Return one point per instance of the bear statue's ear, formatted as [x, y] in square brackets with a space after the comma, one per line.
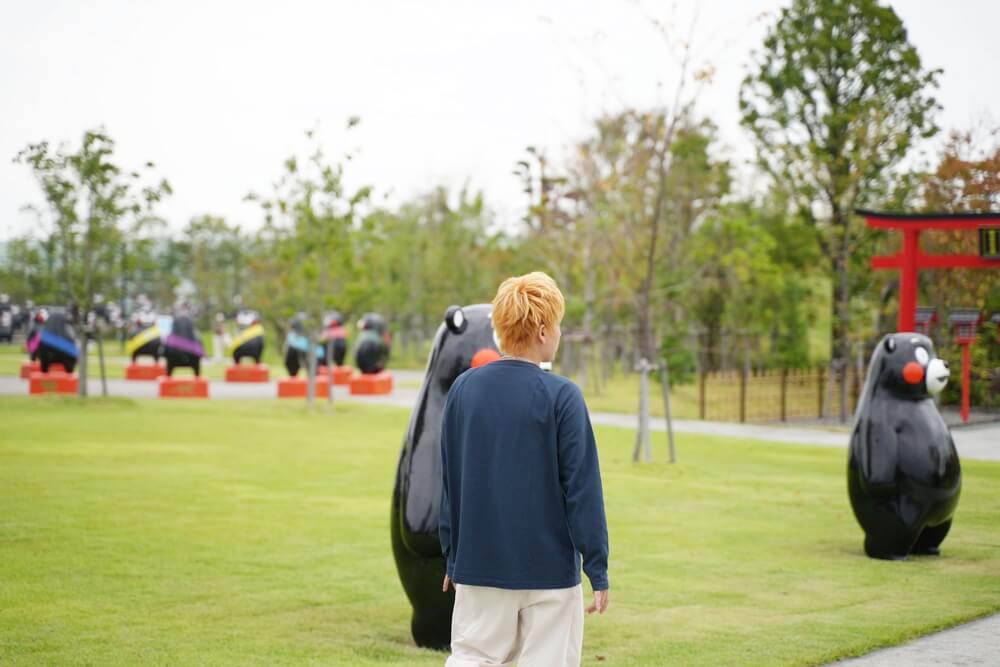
[454, 318]
[890, 344]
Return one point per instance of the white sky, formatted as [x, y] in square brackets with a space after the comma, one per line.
[217, 94]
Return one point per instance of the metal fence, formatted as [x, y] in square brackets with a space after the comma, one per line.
[775, 395]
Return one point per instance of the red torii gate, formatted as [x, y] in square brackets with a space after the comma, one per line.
[910, 259]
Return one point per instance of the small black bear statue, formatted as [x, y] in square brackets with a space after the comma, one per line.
[144, 336]
[249, 340]
[297, 347]
[334, 337]
[34, 336]
[182, 348]
[466, 339]
[57, 342]
[372, 350]
[903, 474]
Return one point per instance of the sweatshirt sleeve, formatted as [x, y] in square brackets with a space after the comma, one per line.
[444, 519]
[580, 477]
[444, 516]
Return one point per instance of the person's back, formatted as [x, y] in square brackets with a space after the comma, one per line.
[514, 528]
[522, 497]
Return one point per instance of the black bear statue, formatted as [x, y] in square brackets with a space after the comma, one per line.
[297, 347]
[903, 474]
[182, 348]
[143, 336]
[372, 352]
[334, 337]
[57, 342]
[33, 338]
[466, 339]
[249, 340]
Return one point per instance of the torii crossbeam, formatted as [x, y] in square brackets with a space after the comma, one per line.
[910, 259]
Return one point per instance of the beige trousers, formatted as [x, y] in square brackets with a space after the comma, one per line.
[535, 628]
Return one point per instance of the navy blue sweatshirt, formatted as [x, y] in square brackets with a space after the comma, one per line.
[521, 494]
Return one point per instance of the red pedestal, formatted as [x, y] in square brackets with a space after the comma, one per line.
[252, 373]
[144, 371]
[368, 385]
[342, 375]
[185, 387]
[53, 382]
[29, 367]
[298, 387]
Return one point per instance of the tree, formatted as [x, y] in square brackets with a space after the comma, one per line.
[965, 180]
[89, 201]
[215, 260]
[834, 101]
[750, 280]
[304, 256]
[645, 183]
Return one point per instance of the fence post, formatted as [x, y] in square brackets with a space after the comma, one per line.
[743, 394]
[819, 387]
[784, 394]
[701, 394]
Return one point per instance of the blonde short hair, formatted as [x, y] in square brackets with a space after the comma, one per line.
[521, 306]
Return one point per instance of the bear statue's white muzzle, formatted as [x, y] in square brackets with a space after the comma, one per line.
[937, 376]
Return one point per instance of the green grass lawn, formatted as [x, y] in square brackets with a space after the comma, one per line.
[210, 533]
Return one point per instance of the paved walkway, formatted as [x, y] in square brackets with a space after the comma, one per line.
[975, 643]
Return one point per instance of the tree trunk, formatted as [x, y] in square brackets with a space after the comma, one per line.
[840, 343]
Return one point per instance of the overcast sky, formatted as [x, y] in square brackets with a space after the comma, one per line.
[217, 94]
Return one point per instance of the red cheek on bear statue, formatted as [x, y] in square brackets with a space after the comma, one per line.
[913, 372]
[484, 356]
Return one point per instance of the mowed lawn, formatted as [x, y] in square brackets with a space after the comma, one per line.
[221, 533]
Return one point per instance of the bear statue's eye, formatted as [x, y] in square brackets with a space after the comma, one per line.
[890, 344]
[921, 356]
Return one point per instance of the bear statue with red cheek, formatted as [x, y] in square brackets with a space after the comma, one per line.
[903, 474]
[465, 340]
[335, 337]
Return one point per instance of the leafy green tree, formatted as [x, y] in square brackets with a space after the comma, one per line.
[304, 257]
[835, 99]
[89, 201]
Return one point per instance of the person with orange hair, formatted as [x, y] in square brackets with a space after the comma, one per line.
[521, 498]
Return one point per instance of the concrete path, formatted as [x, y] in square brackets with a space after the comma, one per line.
[975, 643]
[980, 442]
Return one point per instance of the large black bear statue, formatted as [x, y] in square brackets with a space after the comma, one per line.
[903, 474]
[372, 351]
[182, 348]
[249, 340]
[466, 339]
[57, 342]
